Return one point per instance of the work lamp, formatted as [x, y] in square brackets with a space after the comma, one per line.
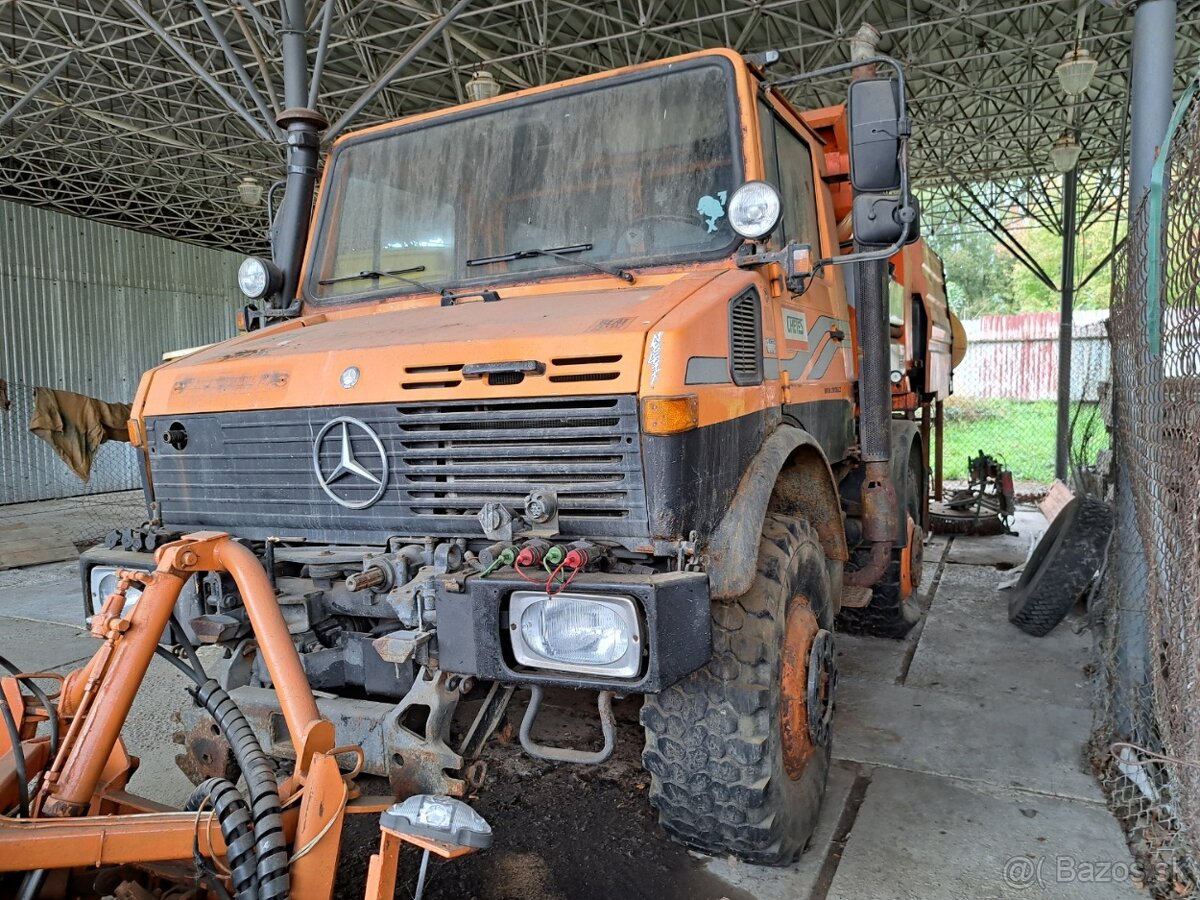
[570, 632]
[257, 278]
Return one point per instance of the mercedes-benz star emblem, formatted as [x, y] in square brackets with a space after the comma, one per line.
[349, 471]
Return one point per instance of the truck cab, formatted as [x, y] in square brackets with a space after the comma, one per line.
[568, 395]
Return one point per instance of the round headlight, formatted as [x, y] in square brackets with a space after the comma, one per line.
[754, 209]
[257, 278]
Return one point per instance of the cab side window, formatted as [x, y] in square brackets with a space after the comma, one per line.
[797, 188]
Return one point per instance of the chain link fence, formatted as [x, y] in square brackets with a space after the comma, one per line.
[1005, 397]
[1146, 748]
[30, 471]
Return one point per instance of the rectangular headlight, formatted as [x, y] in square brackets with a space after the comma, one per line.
[103, 580]
[569, 632]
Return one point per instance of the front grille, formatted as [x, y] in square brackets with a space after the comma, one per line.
[253, 473]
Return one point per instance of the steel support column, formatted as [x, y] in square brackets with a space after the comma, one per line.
[1062, 455]
[1150, 107]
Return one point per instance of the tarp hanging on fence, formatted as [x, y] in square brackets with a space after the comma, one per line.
[76, 425]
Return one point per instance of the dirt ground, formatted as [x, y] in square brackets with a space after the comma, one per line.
[562, 832]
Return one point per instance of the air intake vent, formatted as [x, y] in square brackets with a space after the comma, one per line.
[586, 376]
[566, 369]
[586, 360]
[745, 339]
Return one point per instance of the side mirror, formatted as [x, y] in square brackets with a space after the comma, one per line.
[879, 219]
[873, 110]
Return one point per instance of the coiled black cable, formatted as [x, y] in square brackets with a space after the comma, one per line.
[237, 829]
[270, 843]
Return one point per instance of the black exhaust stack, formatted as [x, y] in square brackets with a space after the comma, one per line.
[879, 503]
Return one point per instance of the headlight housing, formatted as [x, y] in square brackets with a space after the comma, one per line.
[754, 210]
[258, 278]
[103, 581]
[568, 632]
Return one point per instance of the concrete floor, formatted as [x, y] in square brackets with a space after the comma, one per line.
[960, 767]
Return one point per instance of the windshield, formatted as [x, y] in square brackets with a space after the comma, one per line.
[639, 168]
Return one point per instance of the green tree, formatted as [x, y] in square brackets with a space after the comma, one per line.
[979, 273]
[1091, 245]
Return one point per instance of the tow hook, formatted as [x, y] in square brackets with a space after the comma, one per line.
[608, 725]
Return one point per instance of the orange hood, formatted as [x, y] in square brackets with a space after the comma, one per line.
[589, 340]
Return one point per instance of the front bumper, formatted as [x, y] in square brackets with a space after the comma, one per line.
[473, 628]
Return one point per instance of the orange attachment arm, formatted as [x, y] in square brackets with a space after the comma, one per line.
[103, 693]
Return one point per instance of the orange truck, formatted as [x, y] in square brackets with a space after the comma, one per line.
[613, 385]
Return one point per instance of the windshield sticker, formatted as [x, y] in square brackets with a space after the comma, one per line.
[712, 208]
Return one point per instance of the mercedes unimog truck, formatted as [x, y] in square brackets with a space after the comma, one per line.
[610, 385]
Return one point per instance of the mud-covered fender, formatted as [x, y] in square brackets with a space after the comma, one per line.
[905, 437]
[790, 475]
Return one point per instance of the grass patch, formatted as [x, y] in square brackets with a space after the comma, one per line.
[1020, 433]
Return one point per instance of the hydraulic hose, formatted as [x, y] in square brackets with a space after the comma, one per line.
[31, 885]
[237, 828]
[270, 842]
[18, 751]
[260, 869]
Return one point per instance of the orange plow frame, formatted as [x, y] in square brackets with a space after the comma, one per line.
[81, 817]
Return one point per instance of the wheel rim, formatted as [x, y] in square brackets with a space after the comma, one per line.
[911, 560]
[822, 688]
[800, 632]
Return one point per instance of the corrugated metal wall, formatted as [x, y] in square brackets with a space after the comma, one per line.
[88, 307]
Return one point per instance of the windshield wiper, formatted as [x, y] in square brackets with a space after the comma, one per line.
[376, 275]
[561, 253]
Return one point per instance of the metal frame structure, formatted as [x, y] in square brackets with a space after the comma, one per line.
[81, 817]
[149, 114]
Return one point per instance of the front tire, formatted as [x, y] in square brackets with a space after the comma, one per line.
[738, 752]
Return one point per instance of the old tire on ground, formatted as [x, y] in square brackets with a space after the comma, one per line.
[1061, 567]
[895, 604]
[738, 752]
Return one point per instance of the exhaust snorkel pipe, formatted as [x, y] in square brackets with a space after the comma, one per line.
[879, 502]
[303, 126]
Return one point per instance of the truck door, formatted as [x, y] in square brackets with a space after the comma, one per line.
[813, 348]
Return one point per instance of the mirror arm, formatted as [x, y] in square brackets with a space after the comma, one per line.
[870, 255]
[842, 67]
[797, 282]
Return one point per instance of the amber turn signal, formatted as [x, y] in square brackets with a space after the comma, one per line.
[670, 415]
